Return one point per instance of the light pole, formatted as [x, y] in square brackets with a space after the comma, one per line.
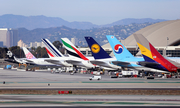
[167, 42]
[166, 47]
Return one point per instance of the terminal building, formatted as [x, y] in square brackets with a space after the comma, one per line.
[164, 36]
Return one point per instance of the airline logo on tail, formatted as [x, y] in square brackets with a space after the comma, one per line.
[118, 49]
[150, 54]
[9, 53]
[49, 53]
[29, 55]
[72, 50]
[97, 51]
[51, 49]
[95, 48]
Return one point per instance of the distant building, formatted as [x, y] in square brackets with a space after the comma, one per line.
[9, 37]
[1, 44]
[3, 35]
[21, 44]
[74, 41]
[36, 44]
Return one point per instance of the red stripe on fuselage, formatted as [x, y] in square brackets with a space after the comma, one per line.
[160, 59]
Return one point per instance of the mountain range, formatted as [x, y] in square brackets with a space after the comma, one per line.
[34, 22]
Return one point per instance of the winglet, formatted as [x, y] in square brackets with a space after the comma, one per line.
[97, 51]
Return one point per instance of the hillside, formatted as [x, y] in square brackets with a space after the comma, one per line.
[34, 22]
[55, 33]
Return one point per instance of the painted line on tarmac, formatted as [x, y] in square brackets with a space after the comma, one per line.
[89, 102]
[88, 82]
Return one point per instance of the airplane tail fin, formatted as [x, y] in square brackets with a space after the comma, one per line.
[28, 54]
[12, 58]
[150, 54]
[97, 51]
[118, 48]
[51, 49]
[9, 54]
[72, 50]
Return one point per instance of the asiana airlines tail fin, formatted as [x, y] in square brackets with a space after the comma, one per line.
[152, 56]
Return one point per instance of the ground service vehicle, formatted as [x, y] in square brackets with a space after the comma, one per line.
[96, 77]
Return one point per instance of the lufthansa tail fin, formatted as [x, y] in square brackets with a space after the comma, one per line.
[97, 51]
[51, 49]
[118, 48]
[28, 54]
[151, 55]
[72, 50]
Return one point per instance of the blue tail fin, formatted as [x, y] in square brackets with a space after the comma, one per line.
[97, 51]
[118, 48]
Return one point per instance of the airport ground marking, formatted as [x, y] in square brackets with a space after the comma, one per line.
[87, 102]
[88, 82]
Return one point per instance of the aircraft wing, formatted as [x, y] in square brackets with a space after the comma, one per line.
[73, 61]
[120, 63]
[53, 61]
[58, 62]
[97, 62]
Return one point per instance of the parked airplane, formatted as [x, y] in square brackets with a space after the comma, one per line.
[152, 57]
[56, 57]
[30, 59]
[102, 58]
[77, 58]
[12, 58]
[125, 59]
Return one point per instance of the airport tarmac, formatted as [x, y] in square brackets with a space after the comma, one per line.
[45, 79]
[89, 100]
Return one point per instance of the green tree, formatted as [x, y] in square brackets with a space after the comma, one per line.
[41, 52]
[2, 53]
[17, 51]
[57, 44]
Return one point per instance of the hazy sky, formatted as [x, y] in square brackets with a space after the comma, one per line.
[95, 11]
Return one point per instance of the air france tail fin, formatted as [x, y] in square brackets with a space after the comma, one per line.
[51, 49]
[118, 48]
[72, 50]
[97, 51]
[28, 54]
[150, 54]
